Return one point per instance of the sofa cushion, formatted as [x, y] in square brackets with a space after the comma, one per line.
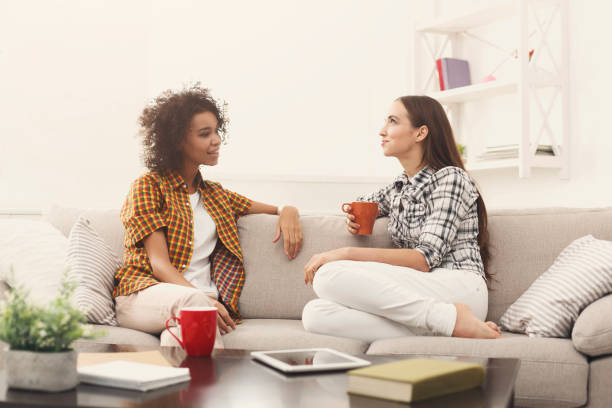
[581, 274]
[551, 372]
[105, 222]
[36, 253]
[274, 286]
[524, 243]
[121, 335]
[275, 334]
[592, 333]
[93, 266]
[62, 218]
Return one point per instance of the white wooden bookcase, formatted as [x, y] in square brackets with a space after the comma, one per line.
[435, 36]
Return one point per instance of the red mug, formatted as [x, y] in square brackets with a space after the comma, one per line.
[365, 213]
[198, 329]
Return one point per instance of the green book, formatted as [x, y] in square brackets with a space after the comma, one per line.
[415, 379]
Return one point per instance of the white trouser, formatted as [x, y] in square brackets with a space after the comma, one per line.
[371, 300]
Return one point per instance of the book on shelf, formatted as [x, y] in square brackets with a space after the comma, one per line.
[132, 375]
[415, 379]
[510, 151]
[453, 73]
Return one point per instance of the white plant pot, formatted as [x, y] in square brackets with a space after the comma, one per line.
[42, 371]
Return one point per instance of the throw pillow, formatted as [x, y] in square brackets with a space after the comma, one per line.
[36, 251]
[581, 274]
[107, 223]
[92, 265]
[592, 333]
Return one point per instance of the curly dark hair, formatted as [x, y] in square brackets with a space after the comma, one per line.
[165, 122]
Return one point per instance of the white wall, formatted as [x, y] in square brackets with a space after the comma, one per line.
[307, 83]
[72, 81]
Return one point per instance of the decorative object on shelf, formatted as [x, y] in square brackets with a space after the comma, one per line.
[488, 78]
[40, 339]
[513, 55]
[453, 73]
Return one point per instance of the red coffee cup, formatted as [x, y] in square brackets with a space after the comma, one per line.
[198, 329]
[365, 213]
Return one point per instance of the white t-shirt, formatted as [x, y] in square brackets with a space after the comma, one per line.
[204, 242]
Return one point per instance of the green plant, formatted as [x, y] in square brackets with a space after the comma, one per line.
[28, 326]
[461, 149]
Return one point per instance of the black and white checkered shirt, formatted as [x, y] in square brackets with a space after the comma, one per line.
[435, 213]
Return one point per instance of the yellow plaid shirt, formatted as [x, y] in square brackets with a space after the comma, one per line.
[160, 200]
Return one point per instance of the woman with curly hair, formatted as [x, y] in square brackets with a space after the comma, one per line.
[181, 237]
[434, 281]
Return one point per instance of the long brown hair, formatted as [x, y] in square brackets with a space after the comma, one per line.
[440, 150]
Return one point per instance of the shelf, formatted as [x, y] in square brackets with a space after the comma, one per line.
[492, 164]
[520, 79]
[473, 92]
[541, 161]
[457, 24]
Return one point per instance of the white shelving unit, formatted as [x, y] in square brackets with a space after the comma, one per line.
[452, 30]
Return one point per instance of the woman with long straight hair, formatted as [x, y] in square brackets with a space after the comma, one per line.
[434, 281]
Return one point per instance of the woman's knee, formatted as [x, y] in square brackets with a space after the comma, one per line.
[311, 315]
[193, 297]
[324, 279]
[317, 316]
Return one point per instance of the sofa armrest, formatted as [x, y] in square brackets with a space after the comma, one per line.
[592, 332]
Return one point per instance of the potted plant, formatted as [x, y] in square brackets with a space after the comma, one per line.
[40, 355]
[461, 149]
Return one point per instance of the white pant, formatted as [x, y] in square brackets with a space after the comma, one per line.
[371, 300]
[148, 309]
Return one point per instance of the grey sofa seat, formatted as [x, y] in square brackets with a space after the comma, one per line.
[122, 335]
[551, 369]
[275, 334]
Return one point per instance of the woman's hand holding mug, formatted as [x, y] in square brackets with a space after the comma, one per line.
[351, 225]
[360, 216]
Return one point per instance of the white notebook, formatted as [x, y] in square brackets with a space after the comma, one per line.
[132, 375]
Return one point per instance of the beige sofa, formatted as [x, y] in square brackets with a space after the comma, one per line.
[524, 244]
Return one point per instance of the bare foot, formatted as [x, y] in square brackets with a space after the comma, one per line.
[493, 326]
[468, 325]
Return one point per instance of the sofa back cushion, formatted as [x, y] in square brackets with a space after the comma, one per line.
[274, 286]
[32, 255]
[525, 243]
[106, 223]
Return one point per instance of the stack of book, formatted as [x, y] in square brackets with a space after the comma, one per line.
[453, 73]
[510, 151]
[415, 379]
[132, 375]
[142, 371]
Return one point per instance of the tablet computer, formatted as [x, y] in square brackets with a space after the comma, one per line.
[311, 359]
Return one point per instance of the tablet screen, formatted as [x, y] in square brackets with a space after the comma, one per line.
[316, 359]
[310, 358]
